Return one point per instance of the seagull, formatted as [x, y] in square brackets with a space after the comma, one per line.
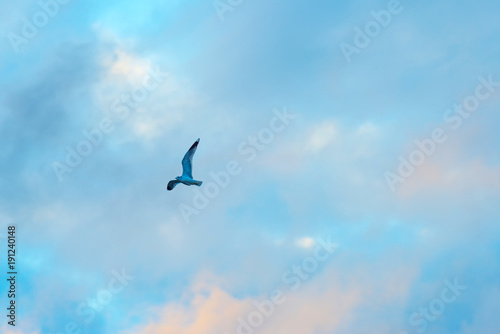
[187, 169]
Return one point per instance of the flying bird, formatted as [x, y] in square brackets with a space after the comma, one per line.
[187, 169]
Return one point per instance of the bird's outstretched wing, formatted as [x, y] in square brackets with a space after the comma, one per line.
[187, 161]
[171, 185]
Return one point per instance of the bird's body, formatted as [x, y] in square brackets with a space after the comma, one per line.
[188, 181]
[187, 170]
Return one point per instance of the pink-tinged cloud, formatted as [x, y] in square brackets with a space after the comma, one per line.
[325, 303]
[8, 329]
[452, 177]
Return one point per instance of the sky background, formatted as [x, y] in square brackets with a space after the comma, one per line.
[322, 178]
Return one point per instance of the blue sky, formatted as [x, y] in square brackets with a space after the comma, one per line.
[322, 176]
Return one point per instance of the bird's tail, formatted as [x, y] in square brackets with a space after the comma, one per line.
[198, 183]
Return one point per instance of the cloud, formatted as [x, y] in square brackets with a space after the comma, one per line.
[322, 174]
[322, 135]
[331, 301]
[305, 242]
[9, 330]
[211, 310]
[451, 175]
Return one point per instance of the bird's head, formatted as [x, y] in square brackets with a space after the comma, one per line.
[178, 178]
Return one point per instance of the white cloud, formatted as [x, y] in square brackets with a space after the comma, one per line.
[367, 129]
[305, 242]
[322, 135]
